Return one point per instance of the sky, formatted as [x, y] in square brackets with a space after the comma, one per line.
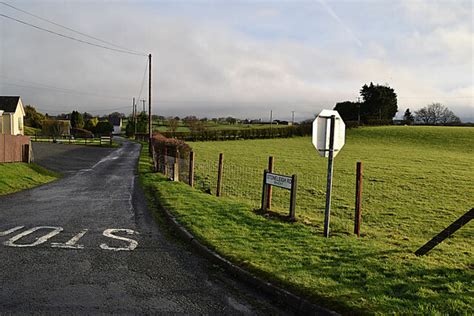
[238, 58]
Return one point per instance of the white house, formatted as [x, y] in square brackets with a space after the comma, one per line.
[11, 115]
[117, 123]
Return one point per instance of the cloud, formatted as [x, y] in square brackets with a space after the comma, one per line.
[344, 25]
[208, 67]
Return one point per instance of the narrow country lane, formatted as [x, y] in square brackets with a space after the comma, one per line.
[87, 244]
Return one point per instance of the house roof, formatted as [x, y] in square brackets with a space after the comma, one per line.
[9, 103]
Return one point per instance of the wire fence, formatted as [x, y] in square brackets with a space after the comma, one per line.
[244, 183]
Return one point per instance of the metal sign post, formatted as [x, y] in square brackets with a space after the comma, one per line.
[328, 138]
[327, 212]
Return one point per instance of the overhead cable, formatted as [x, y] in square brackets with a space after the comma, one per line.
[72, 38]
[70, 29]
[61, 90]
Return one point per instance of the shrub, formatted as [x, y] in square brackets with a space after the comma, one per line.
[161, 143]
[81, 133]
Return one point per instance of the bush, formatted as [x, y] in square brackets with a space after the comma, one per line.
[161, 143]
[351, 124]
[81, 133]
[56, 128]
[104, 128]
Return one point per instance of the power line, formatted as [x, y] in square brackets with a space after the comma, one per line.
[72, 38]
[67, 28]
[143, 80]
[61, 90]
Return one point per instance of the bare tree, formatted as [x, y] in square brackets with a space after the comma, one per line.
[173, 125]
[436, 114]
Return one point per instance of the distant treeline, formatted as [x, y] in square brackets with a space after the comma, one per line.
[233, 134]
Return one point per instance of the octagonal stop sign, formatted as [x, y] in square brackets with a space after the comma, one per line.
[322, 132]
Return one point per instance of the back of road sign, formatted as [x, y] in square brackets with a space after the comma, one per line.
[321, 132]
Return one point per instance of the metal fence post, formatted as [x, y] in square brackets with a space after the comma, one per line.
[327, 213]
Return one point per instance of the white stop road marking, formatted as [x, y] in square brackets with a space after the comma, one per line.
[39, 241]
[72, 243]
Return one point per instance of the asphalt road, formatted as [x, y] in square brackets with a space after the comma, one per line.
[87, 244]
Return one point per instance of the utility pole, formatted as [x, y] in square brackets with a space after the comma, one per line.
[358, 111]
[143, 101]
[150, 123]
[271, 118]
[134, 116]
[292, 117]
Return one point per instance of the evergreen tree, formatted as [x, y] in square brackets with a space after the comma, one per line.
[77, 121]
[380, 102]
[408, 118]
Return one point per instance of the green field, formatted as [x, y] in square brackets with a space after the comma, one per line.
[417, 181]
[411, 175]
[19, 176]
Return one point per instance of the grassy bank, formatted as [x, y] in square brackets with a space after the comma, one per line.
[19, 176]
[370, 275]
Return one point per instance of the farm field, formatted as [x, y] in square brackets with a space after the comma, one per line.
[410, 174]
[417, 180]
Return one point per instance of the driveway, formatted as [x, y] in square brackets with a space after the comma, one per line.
[87, 244]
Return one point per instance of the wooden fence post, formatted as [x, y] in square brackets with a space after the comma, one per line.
[448, 231]
[176, 166]
[219, 174]
[358, 200]
[26, 153]
[294, 186]
[269, 187]
[165, 161]
[264, 191]
[191, 169]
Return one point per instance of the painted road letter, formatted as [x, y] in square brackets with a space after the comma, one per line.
[39, 241]
[109, 233]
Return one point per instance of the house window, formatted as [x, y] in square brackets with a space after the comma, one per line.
[20, 123]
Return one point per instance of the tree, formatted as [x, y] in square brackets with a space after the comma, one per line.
[116, 115]
[91, 124]
[231, 120]
[408, 118]
[436, 114]
[56, 128]
[77, 121]
[379, 102]
[173, 125]
[142, 124]
[104, 128]
[349, 111]
[87, 116]
[32, 117]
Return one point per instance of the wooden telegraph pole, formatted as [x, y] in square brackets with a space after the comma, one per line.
[150, 126]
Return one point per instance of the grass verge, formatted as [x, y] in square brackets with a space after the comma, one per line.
[20, 176]
[342, 273]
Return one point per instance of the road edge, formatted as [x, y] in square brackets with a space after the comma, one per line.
[296, 303]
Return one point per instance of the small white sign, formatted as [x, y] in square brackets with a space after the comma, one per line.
[278, 180]
[322, 132]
